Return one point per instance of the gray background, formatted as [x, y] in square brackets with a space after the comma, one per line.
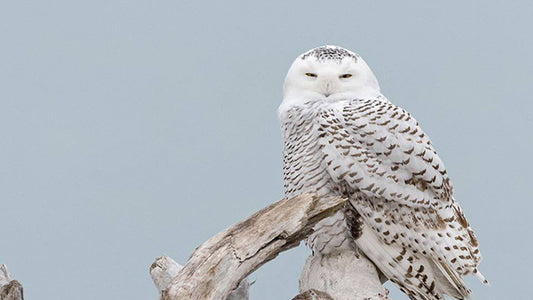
[132, 129]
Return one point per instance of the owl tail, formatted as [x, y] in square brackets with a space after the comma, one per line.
[416, 275]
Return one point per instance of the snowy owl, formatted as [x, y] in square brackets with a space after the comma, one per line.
[342, 137]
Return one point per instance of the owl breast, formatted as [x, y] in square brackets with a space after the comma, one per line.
[305, 170]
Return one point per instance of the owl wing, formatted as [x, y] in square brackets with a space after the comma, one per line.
[380, 151]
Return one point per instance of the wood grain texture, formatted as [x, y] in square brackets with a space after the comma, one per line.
[216, 267]
[343, 275]
[164, 269]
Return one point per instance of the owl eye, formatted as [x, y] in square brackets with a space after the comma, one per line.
[345, 76]
[311, 74]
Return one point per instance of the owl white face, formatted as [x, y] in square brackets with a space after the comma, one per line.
[329, 72]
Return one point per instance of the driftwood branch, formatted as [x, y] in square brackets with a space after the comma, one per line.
[218, 266]
[9, 289]
[164, 269]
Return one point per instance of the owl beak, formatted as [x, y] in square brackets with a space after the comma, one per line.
[327, 88]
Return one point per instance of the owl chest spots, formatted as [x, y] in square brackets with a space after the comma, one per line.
[304, 160]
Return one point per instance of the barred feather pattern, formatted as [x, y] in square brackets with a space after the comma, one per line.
[402, 213]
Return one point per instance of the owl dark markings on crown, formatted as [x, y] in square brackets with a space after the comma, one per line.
[330, 53]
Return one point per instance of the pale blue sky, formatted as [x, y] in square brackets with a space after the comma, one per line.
[132, 129]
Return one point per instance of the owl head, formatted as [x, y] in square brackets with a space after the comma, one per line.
[329, 72]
